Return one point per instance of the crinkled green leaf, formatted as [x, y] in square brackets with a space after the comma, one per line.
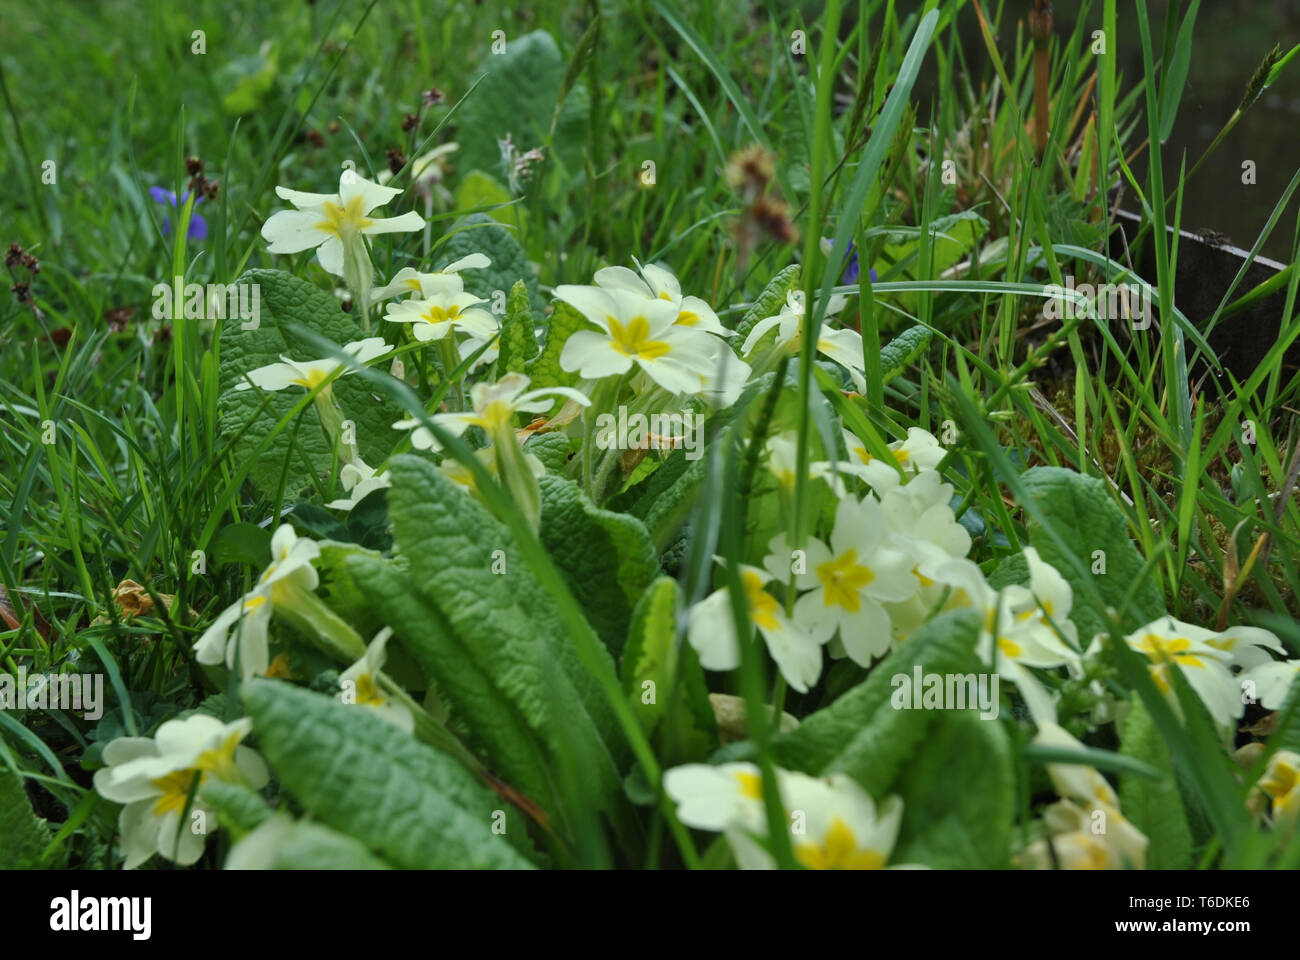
[770, 301]
[554, 449]
[508, 620]
[239, 808]
[664, 499]
[361, 775]
[861, 733]
[958, 795]
[1154, 806]
[479, 189]
[1010, 571]
[307, 845]
[518, 96]
[545, 369]
[240, 543]
[23, 835]
[479, 233]
[518, 339]
[340, 591]
[287, 300]
[606, 558]
[897, 355]
[491, 691]
[650, 652]
[1083, 513]
[663, 679]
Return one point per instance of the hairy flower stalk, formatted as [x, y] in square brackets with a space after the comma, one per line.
[492, 408]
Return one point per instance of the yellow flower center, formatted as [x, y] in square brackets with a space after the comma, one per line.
[220, 761]
[1282, 779]
[843, 579]
[437, 314]
[763, 608]
[1095, 855]
[688, 318]
[345, 219]
[1008, 648]
[368, 691]
[634, 339]
[280, 667]
[900, 455]
[495, 416]
[175, 788]
[839, 852]
[751, 784]
[312, 378]
[1170, 648]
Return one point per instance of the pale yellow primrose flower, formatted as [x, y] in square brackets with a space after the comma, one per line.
[153, 778]
[359, 480]
[290, 570]
[1087, 830]
[442, 312]
[918, 453]
[469, 346]
[495, 405]
[717, 797]
[834, 824]
[920, 519]
[712, 632]
[310, 374]
[1271, 681]
[1281, 781]
[456, 472]
[844, 346]
[781, 457]
[1204, 657]
[1014, 633]
[660, 284]
[360, 685]
[637, 332]
[331, 223]
[847, 581]
[409, 281]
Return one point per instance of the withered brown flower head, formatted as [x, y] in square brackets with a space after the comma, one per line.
[751, 168]
[773, 215]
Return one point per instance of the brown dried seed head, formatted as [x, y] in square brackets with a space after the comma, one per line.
[773, 215]
[752, 167]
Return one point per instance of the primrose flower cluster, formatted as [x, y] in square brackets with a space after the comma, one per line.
[886, 554]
